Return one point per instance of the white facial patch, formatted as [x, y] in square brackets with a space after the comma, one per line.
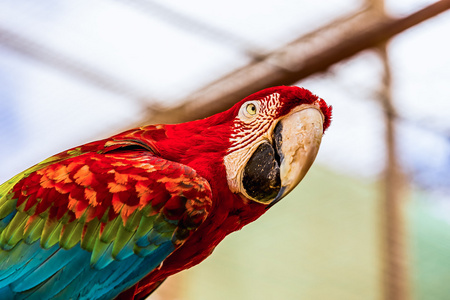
[250, 130]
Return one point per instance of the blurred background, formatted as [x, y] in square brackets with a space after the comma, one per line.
[372, 218]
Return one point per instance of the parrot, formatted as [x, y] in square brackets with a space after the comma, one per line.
[113, 218]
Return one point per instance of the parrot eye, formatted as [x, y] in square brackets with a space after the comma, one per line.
[249, 110]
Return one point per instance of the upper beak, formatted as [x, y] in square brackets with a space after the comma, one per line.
[297, 140]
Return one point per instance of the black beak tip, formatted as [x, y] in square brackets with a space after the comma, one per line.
[278, 197]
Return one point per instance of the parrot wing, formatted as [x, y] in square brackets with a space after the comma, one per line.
[90, 224]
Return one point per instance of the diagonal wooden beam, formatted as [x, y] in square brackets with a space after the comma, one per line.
[308, 55]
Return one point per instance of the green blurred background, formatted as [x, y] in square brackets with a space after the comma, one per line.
[323, 241]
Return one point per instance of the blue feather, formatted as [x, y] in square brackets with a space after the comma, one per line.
[141, 270]
[23, 258]
[64, 274]
[44, 271]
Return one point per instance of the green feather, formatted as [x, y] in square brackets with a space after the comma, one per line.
[50, 233]
[13, 233]
[91, 232]
[110, 230]
[70, 234]
[75, 152]
[99, 250]
[133, 220]
[145, 225]
[33, 231]
[102, 245]
[123, 238]
[105, 217]
[7, 205]
[7, 186]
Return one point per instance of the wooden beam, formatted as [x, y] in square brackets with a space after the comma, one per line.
[306, 56]
[396, 280]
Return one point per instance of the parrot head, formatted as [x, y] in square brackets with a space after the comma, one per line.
[275, 137]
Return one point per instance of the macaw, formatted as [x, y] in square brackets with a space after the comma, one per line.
[115, 217]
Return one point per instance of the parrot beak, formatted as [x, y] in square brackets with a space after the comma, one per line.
[297, 139]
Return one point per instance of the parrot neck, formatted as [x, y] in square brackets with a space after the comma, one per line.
[199, 144]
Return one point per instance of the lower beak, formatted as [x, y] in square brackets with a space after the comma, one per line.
[297, 140]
